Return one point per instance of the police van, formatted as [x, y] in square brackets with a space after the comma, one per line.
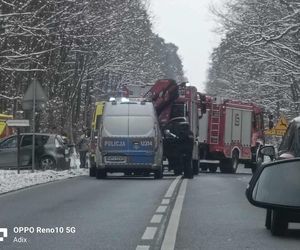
[129, 139]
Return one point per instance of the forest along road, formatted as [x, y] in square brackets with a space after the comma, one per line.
[208, 212]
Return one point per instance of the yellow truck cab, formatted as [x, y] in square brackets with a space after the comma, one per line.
[99, 106]
[4, 129]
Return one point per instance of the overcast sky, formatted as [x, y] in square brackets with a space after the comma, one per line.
[189, 25]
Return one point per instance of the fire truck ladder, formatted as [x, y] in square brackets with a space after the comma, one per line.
[215, 124]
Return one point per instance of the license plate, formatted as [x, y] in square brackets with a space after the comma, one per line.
[115, 158]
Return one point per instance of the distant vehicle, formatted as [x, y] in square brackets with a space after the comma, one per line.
[51, 152]
[99, 106]
[230, 132]
[4, 129]
[129, 140]
[276, 187]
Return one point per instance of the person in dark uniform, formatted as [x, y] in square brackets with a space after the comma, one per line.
[83, 148]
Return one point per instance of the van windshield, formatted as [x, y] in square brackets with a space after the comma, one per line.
[141, 125]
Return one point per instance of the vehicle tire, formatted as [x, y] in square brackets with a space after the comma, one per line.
[279, 224]
[93, 171]
[203, 166]
[48, 163]
[268, 219]
[230, 165]
[100, 173]
[213, 169]
[128, 173]
[146, 174]
[158, 174]
[225, 165]
[188, 168]
[195, 167]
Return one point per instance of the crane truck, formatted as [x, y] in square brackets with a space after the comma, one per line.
[179, 108]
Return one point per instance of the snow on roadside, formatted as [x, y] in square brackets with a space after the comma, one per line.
[10, 180]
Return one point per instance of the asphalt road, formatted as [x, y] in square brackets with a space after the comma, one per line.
[208, 212]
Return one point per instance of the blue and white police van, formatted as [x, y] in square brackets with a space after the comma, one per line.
[129, 140]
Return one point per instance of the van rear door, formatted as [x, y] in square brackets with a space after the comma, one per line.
[141, 139]
[114, 133]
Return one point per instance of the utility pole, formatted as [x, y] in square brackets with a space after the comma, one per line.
[33, 126]
[34, 99]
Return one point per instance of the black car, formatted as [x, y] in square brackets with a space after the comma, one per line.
[50, 152]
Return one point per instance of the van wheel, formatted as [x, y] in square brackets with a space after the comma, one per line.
[195, 167]
[100, 173]
[158, 174]
[93, 171]
[146, 174]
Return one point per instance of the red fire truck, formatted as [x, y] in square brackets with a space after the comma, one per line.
[179, 108]
[230, 133]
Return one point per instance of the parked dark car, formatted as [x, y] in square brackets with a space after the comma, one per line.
[50, 151]
[276, 187]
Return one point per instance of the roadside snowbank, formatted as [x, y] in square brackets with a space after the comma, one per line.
[10, 180]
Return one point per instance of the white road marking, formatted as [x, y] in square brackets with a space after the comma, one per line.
[156, 218]
[172, 187]
[171, 232]
[149, 233]
[140, 247]
[165, 202]
[161, 209]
